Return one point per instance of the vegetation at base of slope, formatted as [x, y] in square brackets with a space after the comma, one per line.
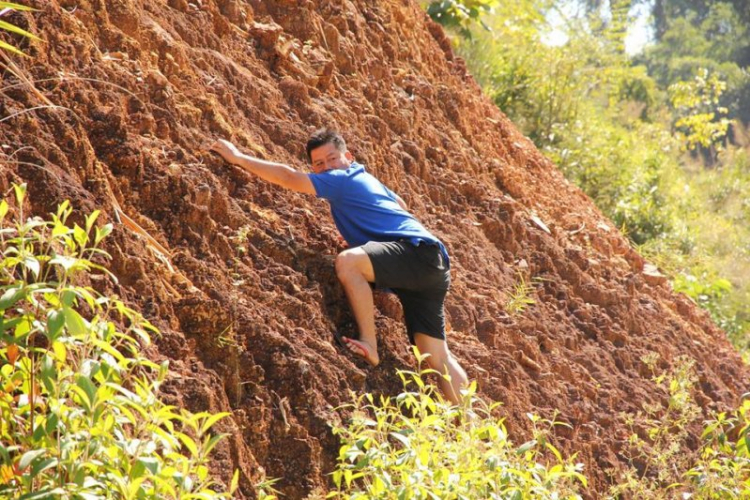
[663, 153]
[416, 445]
[80, 411]
[660, 467]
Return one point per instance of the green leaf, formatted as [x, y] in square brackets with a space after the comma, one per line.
[11, 296]
[59, 229]
[85, 402]
[202, 473]
[235, 482]
[91, 219]
[150, 464]
[8, 324]
[43, 465]
[20, 190]
[44, 494]
[48, 373]
[188, 442]
[15, 6]
[3, 209]
[75, 323]
[32, 264]
[80, 236]
[51, 425]
[55, 323]
[65, 261]
[210, 421]
[22, 328]
[102, 232]
[29, 457]
[211, 444]
[526, 447]
[104, 346]
[554, 450]
[88, 387]
[400, 437]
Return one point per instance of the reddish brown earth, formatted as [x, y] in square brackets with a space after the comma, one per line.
[248, 310]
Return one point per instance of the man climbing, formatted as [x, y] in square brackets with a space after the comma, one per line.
[388, 247]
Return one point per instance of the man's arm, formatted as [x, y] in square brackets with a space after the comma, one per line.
[276, 173]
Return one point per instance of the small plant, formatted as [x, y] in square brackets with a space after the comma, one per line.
[228, 338]
[266, 491]
[240, 239]
[520, 298]
[80, 414]
[418, 446]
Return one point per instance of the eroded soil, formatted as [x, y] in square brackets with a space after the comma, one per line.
[248, 309]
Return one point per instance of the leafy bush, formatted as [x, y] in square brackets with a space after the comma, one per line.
[417, 446]
[660, 467]
[656, 448]
[723, 469]
[80, 415]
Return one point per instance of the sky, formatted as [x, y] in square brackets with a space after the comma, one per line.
[638, 36]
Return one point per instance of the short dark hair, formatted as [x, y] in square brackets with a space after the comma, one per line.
[323, 136]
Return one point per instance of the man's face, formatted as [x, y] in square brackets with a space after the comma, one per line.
[327, 157]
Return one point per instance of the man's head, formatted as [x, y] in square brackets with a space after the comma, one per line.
[326, 150]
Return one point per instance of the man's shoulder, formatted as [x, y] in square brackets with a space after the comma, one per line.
[341, 172]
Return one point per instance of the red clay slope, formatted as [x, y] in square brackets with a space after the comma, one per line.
[248, 311]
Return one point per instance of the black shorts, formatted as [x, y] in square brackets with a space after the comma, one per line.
[419, 276]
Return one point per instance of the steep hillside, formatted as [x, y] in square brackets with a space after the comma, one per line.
[249, 299]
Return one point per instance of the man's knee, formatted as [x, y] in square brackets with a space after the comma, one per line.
[346, 263]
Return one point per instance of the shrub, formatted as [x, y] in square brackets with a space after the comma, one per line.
[723, 469]
[661, 467]
[417, 446]
[80, 415]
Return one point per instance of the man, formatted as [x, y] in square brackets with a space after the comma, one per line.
[388, 247]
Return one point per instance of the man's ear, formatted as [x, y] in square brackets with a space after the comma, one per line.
[348, 155]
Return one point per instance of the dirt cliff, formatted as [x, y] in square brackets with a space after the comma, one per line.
[249, 303]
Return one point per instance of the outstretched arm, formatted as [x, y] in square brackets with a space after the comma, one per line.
[276, 173]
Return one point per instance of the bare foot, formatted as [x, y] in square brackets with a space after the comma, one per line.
[363, 349]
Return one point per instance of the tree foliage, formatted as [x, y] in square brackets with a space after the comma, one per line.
[460, 14]
[691, 36]
[648, 138]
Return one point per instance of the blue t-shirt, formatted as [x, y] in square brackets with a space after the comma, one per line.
[365, 210]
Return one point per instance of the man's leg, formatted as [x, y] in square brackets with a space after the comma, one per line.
[354, 270]
[442, 361]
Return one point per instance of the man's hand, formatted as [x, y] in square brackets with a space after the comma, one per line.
[227, 150]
